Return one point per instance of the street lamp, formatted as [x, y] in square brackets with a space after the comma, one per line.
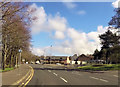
[51, 53]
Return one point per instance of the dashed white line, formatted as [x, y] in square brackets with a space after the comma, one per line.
[76, 73]
[103, 80]
[55, 74]
[63, 79]
[115, 75]
[49, 70]
[94, 78]
[98, 79]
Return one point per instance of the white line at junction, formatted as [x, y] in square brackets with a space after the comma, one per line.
[103, 80]
[63, 79]
[55, 74]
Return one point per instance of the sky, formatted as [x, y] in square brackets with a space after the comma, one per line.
[68, 28]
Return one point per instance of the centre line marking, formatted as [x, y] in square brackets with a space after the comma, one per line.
[55, 74]
[98, 79]
[115, 75]
[63, 79]
[103, 80]
[94, 78]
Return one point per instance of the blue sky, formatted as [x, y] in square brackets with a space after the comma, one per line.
[82, 18]
[97, 13]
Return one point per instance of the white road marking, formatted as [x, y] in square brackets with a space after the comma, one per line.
[98, 79]
[115, 75]
[63, 79]
[77, 73]
[49, 70]
[94, 77]
[103, 80]
[55, 74]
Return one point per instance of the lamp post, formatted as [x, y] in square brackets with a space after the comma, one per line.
[51, 53]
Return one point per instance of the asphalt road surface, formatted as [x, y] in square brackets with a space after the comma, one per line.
[58, 75]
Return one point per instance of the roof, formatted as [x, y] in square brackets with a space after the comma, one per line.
[74, 57]
[84, 58]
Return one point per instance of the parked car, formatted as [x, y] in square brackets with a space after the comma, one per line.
[58, 64]
[26, 62]
[37, 62]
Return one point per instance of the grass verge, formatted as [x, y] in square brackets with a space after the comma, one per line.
[6, 69]
[102, 67]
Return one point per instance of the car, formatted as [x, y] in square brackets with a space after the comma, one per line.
[58, 64]
[37, 62]
[26, 62]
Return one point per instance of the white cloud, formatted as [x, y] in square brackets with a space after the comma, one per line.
[70, 5]
[78, 42]
[44, 22]
[59, 35]
[40, 15]
[81, 12]
[116, 4]
[37, 51]
[57, 23]
[73, 40]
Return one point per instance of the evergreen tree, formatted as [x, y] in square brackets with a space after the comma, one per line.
[108, 41]
[115, 21]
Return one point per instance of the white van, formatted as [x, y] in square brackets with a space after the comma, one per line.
[26, 62]
[37, 62]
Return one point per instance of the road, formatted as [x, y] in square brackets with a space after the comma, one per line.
[57, 75]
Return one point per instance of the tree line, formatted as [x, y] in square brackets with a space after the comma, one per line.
[110, 50]
[15, 32]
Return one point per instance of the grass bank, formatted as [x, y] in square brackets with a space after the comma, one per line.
[101, 67]
[6, 69]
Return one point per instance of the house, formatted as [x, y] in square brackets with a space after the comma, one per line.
[68, 60]
[73, 58]
[83, 59]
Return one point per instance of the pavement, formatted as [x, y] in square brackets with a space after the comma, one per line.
[18, 76]
[45, 75]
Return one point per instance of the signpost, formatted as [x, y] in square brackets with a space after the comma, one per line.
[19, 59]
[20, 56]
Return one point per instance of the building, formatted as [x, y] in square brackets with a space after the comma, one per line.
[83, 59]
[53, 59]
[73, 58]
[67, 61]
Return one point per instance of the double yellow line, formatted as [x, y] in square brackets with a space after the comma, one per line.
[26, 79]
[29, 77]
